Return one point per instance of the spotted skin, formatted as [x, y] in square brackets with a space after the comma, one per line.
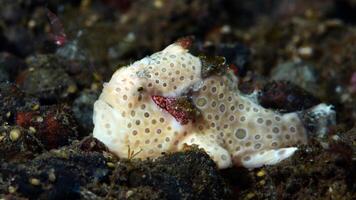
[241, 126]
[231, 128]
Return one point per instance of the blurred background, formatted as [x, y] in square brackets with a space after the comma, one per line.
[309, 43]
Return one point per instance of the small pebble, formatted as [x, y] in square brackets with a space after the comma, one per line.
[261, 173]
[32, 129]
[110, 164]
[35, 107]
[262, 182]
[250, 195]
[129, 193]
[12, 189]
[8, 114]
[305, 51]
[39, 119]
[15, 134]
[51, 175]
[72, 88]
[35, 181]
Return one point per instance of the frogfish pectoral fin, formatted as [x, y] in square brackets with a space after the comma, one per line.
[265, 157]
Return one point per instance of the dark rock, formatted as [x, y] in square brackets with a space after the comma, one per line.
[345, 144]
[83, 108]
[12, 99]
[285, 97]
[299, 73]
[183, 175]
[73, 174]
[338, 65]
[90, 143]
[344, 10]
[251, 82]
[78, 69]
[4, 75]
[3, 44]
[20, 40]
[316, 172]
[10, 66]
[46, 80]
[45, 61]
[17, 143]
[58, 175]
[11, 11]
[55, 125]
[312, 172]
[133, 39]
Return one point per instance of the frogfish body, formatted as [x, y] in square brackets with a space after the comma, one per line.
[165, 101]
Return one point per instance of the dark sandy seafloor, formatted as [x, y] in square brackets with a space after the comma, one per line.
[56, 55]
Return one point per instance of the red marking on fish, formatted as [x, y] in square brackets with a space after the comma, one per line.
[170, 105]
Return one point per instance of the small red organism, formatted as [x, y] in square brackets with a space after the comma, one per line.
[58, 35]
[185, 42]
[353, 82]
[180, 108]
[54, 125]
[235, 69]
[24, 118]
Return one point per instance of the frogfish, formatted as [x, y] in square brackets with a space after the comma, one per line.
[171, 99]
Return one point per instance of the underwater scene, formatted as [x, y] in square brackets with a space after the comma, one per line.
[178, 99]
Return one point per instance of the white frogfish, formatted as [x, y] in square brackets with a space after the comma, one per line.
[172, 98]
